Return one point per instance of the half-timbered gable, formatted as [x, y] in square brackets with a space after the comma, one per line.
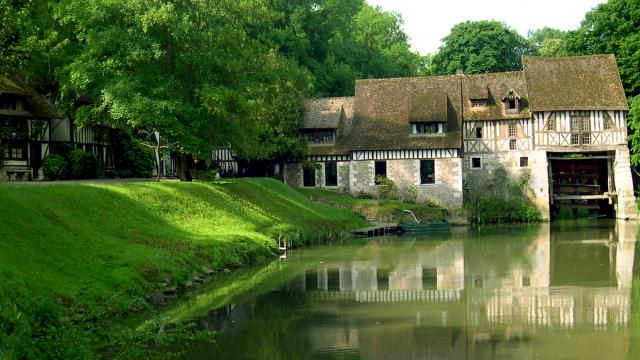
[577, 102]
[25, 117]
[498, 125]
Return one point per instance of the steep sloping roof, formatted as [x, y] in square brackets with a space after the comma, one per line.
[8, 86]
[325, 113]
[497, 85]
[385, 108]
[35, 104]
[330, 113]
[574, 83]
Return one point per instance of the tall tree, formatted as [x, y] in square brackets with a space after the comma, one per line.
[548, 41]
[193, 70]
[481, 47]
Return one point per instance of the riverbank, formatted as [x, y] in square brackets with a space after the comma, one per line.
[386, 210]
[77, 253]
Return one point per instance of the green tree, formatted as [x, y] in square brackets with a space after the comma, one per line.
[548, 41]
[197, 71]
[481, 47]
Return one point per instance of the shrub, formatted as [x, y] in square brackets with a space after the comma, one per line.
[388, 188]
[83, 165]
[132, 158]
[55, 167]
[498, 197]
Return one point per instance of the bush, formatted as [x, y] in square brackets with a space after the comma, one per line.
[388, 188]
[55, 167]
[496, 210]
[498, 197]
[132, 158]
[83, 165]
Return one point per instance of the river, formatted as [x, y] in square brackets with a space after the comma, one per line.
[550, 291]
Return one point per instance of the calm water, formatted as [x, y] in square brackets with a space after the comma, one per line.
[554, 291]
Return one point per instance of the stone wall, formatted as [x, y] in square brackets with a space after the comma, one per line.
[293, 175]
[626, 207]
[537, 169]
[447, 190]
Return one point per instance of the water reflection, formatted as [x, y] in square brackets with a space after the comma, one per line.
[552, 291]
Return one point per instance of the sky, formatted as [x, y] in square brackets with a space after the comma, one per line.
[428, 21]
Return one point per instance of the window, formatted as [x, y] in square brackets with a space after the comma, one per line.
[309, 177]
[526, 281]
[524, 161]
[479, 132]
[510, 101]
[476, 163]
[476, 103]
[512, 144]
[10, 103]
[608, 122]
[427, 172]
[580, 128]
[319, 136]
[428, 128]
[551, 123]
[478, 281]
[380, 171]
[429, 278]
[17, 151]
[512, 130]
[331, 174]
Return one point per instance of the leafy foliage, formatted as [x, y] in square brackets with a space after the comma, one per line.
[131, 157]
[82, 165]
[497, 197]
[481, 47]
[55, 167]
[548, 41]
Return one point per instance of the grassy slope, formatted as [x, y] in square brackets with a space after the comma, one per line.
[85, 242]
[379, 210]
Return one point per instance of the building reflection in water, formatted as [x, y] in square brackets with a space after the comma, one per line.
[567, 289]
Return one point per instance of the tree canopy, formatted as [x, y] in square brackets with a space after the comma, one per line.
[480, 47]
[548, 41]
[202, 72]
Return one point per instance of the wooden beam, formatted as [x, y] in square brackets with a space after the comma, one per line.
[583, 197]
[599, 157]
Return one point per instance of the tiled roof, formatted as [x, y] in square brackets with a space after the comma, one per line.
[574, 83]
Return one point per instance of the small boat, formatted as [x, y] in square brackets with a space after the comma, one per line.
[424, 227]
[418, 226]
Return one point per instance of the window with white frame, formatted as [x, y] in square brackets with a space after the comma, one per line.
[424, 128]
[512, 130]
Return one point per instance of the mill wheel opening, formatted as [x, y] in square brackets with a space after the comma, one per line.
[581, 185]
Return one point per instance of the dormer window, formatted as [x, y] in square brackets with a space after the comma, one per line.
[511, 101]
[426, 128]
[10, 103]
[478, 103]
[319, 136]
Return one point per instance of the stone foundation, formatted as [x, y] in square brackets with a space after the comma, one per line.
[537, 170]
[446, 191]
[626, 207]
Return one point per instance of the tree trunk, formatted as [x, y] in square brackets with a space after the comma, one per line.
[183, 167]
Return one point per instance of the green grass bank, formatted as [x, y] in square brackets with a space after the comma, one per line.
[386, 210]
[77, 253]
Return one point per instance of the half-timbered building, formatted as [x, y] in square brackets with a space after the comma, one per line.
[562, 121]
[32, 127]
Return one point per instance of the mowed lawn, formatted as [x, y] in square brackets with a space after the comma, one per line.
[85, 242]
